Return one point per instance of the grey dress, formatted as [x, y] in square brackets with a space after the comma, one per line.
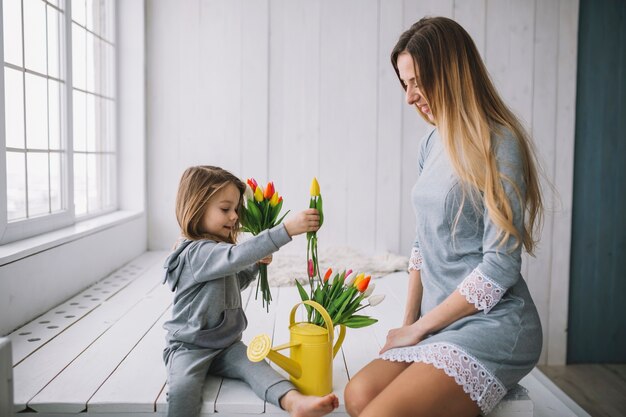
[487, 353]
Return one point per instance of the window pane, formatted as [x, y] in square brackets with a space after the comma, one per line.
[38, 190]
[53, 42]
[14, 108]
[56, 185]
[12, 24]
[54, 113]
[110, 136]
[79, 120]
[36, 112]
[16, 186]
[35, 35]
[108, 19]
[94, 177]
[93, 15]
[92, 62]
[108, 183]
[109, 71]
[78, 11]
[78, 56]
[80, 184]
[92, 128]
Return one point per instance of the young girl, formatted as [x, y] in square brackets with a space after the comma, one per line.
[207, 271]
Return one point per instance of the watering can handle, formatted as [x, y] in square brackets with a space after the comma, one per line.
[327, 320]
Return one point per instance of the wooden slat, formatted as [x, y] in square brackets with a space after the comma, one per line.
[32, 374]
[44, 328]
[6, 377]
[72, 388]
[137, 382]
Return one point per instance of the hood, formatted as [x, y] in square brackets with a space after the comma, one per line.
[174, 265]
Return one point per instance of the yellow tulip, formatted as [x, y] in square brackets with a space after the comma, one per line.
[274, 200]
[258, 194]
[358, 279]
[315, 188]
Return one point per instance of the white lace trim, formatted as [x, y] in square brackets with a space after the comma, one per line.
[482, 386]
[415, 263]
[481, 291]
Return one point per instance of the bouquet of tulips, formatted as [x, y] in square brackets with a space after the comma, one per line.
[261, 211]
[342, 297]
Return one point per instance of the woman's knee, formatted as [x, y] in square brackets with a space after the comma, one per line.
[358, 393]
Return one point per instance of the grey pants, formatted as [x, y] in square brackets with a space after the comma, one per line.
[188, 365]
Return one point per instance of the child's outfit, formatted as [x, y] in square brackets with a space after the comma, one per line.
[204, 334]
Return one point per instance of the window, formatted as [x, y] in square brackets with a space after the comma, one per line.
[59, 106]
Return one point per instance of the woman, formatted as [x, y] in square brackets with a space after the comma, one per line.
[471, 330]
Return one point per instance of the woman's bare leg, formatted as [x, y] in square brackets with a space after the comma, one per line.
[369, 382]
[422, 390]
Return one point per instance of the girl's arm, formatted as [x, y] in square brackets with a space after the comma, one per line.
[211, 260]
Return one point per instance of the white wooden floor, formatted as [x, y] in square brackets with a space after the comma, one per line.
[99, 353]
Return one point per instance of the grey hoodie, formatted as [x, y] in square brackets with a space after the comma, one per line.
[207, 277]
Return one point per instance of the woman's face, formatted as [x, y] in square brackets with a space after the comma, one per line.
[414, 96]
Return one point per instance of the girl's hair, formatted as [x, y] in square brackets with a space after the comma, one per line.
[197, 185]
[467, 108]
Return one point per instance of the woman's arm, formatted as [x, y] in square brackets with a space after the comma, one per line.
[450, 310]
[413, 298]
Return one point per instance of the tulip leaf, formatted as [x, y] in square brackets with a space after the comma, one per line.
[358, 321]
[319, 207]
[283, 216]
[304, 296]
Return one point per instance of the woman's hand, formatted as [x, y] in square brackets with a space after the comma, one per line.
[305, 221]
[266, 261]
[403, 336]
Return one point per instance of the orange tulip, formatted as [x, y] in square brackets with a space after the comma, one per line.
[269, 190]
[328, 274]
[362, 285]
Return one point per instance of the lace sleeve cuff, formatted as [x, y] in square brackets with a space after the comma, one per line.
[481, 291]
[415, 263]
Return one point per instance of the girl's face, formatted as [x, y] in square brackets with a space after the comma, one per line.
[414, 96]
[220, 216]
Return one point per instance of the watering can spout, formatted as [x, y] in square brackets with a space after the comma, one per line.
[261, 347]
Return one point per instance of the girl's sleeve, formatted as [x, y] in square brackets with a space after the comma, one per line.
[248, 275]
[501, 264]
[210, 260]
[415, 260]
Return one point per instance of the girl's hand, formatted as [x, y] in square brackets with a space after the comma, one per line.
[266, 261]
[403, 336]
[305, 221]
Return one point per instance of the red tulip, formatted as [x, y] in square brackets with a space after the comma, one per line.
[252, 183]
[311, 268]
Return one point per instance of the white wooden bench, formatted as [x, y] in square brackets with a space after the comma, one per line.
[99, 353]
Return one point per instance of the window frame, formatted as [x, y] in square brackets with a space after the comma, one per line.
[26, 228]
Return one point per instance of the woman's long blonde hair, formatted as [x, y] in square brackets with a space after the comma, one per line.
[467, 110]
[197, 185]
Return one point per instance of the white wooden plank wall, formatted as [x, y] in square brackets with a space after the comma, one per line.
[290, 89]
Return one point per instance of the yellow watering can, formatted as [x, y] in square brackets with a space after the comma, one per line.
[310, 364]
